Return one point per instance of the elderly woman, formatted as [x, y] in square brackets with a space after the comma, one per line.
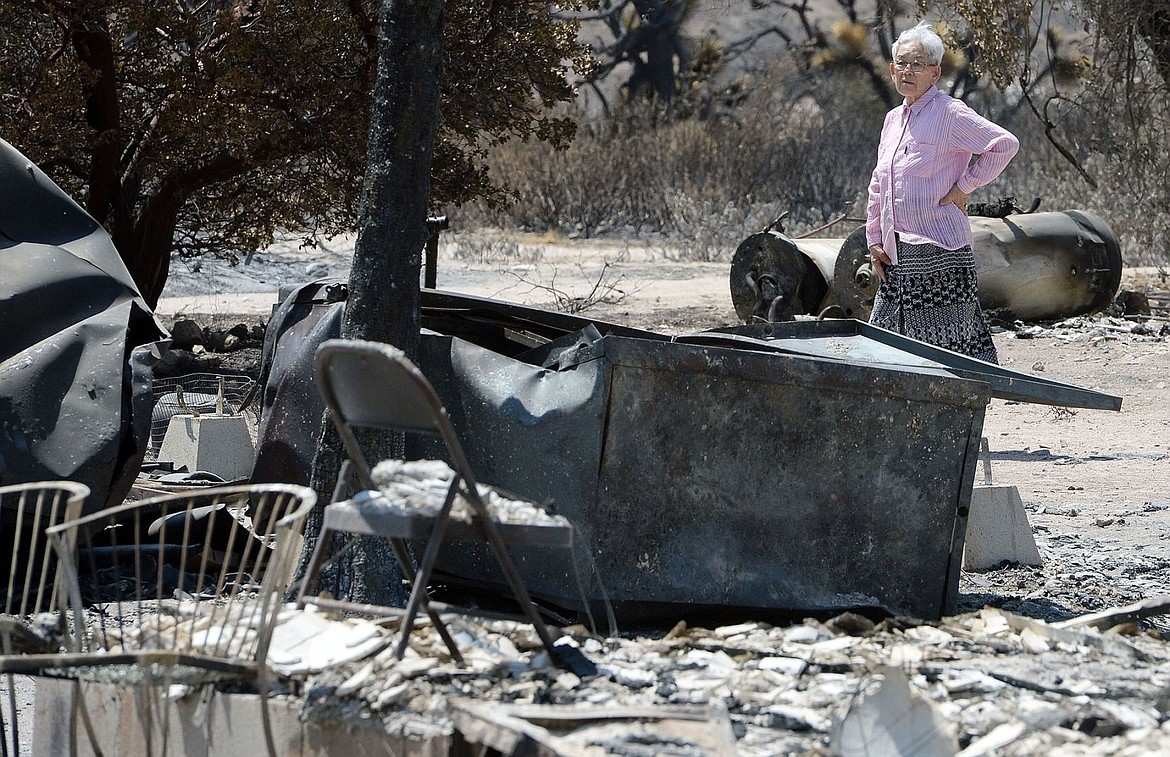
[917, 229]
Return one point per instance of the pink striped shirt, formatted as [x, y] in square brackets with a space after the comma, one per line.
[925, 149]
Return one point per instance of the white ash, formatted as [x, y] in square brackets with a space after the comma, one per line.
[786, 689]
[421, 486]
[218, 628]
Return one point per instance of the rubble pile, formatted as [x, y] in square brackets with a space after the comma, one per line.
[1094, 329]
[198, 627]
[985, 682]
[1016, 674]
[228, 348]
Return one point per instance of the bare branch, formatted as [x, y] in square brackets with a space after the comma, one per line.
[605, 290]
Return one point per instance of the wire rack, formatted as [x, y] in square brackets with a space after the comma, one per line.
[200, 394]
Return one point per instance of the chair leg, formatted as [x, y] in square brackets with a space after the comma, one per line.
[519, 590]
[343, 478]
[444, 634]
[324, 543]
[320, 553]
[81, 712]
[15, 722]
[430, 554]
[409, 574]
[511, 574]
[265, 715]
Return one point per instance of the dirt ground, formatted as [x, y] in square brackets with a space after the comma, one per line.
[1095, 483]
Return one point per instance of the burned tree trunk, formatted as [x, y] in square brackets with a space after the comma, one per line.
[383, 304]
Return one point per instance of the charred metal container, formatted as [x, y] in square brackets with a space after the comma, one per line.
[705, 476]
[815, 466]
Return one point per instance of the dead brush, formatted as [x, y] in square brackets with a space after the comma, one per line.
[801, 141]
[484, 248]
[603, 289]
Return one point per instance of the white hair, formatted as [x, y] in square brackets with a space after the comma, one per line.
[924, 35]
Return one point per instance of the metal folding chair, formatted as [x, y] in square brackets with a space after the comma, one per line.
[33, 620]
[373, 385]
[182, 588]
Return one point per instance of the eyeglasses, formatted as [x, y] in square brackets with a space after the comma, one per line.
[917, 66]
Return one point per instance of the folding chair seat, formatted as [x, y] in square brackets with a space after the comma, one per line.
[374, 386]
[33, 620]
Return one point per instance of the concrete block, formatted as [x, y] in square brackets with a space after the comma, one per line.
[56, 725]
[140, 720]
[219, 444]
[998, 530]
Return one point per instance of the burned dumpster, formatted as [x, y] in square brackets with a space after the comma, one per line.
[704, 477]
[757, 469]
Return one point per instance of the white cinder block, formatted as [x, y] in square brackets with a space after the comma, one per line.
[998, 530]
[218, 444]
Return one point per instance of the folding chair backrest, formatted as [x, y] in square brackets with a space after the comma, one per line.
[374, 385]
[30, 583]
[199, 573]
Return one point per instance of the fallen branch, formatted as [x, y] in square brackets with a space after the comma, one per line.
[839, 219]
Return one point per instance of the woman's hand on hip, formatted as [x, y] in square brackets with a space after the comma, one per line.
[879, 259]
[956, 197]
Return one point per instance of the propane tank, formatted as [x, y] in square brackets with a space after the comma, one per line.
[1031, 267]
[774, 280]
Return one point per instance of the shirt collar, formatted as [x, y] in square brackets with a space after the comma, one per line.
[920, 103]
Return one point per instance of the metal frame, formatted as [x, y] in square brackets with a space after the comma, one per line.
[35, 586]
[374, 385]
[223, 555]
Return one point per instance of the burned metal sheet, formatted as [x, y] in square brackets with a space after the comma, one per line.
[78, 343]
[856, 341]
[291, 408]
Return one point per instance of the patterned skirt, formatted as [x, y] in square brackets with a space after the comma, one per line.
[931, 296]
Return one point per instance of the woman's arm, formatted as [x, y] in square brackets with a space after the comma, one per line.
[992, 145]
